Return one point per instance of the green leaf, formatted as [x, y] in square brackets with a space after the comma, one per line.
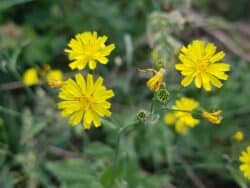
[124, 171]
[5, 4]
[73, 171]
[98, 149]
[237, 177]
[32, 131]
[6, 180]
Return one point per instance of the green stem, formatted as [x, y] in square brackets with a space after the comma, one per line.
[171, 109]
[152, 107]
[116, 157]
[195, 112]
[117, 149]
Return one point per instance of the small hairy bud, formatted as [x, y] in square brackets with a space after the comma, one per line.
[162, 96]
[159, 65]
[141, 115]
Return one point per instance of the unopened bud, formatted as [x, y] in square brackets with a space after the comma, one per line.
[142, 116]
[159, 65]
[162, 96]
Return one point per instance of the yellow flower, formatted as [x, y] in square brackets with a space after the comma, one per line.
[30, 77]
[55, 78]
[238, 136]
[201, 63]
[155, 82]
[170, 118]
[181, 127]
[182, 115]
[187, 105]
[245, 162]
[213, 117]
[88, 48]
[85, 100]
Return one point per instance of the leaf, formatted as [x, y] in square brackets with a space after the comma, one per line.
[98, 149]
[73, 171]
[32, 131]
[5, 4]
[6, 180]
[236, 176]
[124, 171]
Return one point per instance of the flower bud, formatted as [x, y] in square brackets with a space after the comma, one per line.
[141, 115]
[159, 65]
[162, 96]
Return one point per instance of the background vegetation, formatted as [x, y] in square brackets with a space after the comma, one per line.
[39, 149]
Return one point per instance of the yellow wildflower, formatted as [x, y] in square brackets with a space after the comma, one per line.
[245, 163]
[85, 100]
[155, 82]
[88, 48]
[182, 115]
[55, 78]
[170, 118]
[213, 117]
[181, 127]
[201, 63]
[238, 136]
[30, 77]
[186, 106]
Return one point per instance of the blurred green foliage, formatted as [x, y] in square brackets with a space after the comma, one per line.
[39, 149]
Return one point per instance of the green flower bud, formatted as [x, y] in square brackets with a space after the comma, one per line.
[159, 65]
[142, 115]
[162, 96]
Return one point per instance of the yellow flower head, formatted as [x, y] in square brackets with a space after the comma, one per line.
[213, 117]
[155, 82]
[182, 115]
[170, 118]
[85, 100]
[180, 127]
[245, 163]
[55, 78]
[88, 48]
[201, 63]
[238, 136]
[186, 104]
[30, 77]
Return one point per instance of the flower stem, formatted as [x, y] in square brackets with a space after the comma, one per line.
[177, 110]
[116, 157]
[117, 150]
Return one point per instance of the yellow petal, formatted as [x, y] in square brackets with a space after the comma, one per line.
[210, 50]
[69, 104]
[187, 81]
[197, 81]
[217, 83]
[96, 120]
[102, 60]
[219, 67]
[90, 83]
[205, 82]
[76, 117]
[81, 82]
[217, 57]
[92, 64]
[71, 87]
